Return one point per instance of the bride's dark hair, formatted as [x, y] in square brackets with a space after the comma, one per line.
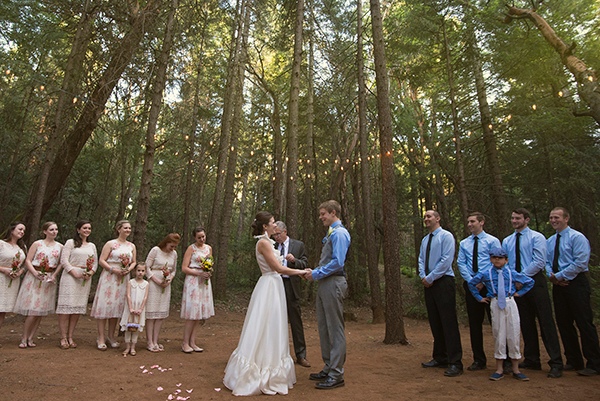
[261, 219]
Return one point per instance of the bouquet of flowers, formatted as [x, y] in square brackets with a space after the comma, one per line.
[206, 264]
[89, 268]
[124, 258]
[166, 273]
[16, 262]
[44, 264]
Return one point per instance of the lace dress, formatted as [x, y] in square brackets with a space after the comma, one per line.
[9, 288]
[159, 298]
[73, 293]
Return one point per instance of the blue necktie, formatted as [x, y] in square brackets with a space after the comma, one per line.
[501, 290]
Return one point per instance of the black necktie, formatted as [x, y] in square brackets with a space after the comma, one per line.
[282, 249]
[475, 254]
[556, 254]
[518, 253]
[427, 252]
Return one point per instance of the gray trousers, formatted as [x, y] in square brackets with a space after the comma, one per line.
[330, 319]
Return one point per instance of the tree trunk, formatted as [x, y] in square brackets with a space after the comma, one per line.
[586, 78]
[224, 209]
[368, 224]
[499, 220]
[226, 121]
[291, 183]
[62, 118]
[143, 201]
[94, 108]
[394, 328]
[460, 168]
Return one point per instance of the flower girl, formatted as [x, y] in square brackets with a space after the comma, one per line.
[134, 315]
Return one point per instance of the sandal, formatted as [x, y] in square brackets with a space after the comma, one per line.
[114, 344]
[160, 347]
[64, 344]
[132, 352]
[197, 349]
[72, 343]
[23, 344]
[152, 349]
[101, 346]
[125, 352]
[31, 344]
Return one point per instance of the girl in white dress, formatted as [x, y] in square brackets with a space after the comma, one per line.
[197, 301]
[117, 259]
[135, 312]
[12, 259]
[37, 295]
[79, 259]
[161, 266]
[262, 363]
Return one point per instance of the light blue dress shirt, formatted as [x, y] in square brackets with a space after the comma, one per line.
[441, 255]
[533, 251]
[573, 255]
[510, 278]
[340, 241]
[465, 254]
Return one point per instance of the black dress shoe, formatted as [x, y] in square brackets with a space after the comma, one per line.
[453, 371]
[530, 365]
[476, 366]
[555, 373]
[329, 383]
[434, 364]
[318, 376]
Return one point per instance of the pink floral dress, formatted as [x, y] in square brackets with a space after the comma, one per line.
[38, 298]
[111, 292]
[9, 288]
[197, 300]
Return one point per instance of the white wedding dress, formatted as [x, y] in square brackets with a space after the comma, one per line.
[261, 363]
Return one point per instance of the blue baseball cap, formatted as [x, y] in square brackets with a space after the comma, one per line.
[498, 252]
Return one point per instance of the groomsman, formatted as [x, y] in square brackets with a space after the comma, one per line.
[435, 270]
[526, 251]
[294, 257]
[474, 256]
[566, 265]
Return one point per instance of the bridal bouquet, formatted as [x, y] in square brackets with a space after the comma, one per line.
[206, 264]
[125, 261]
[89, 268]
[44, 265]
[166, 273]
[16, 262]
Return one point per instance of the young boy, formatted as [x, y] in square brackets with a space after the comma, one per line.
[500, 283]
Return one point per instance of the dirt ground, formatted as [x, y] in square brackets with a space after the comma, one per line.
[374, 371]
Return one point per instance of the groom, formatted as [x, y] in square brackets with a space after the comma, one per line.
[330, 297]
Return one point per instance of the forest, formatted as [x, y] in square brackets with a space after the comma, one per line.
[180, 113]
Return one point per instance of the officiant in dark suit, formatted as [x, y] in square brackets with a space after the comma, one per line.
[293, 257]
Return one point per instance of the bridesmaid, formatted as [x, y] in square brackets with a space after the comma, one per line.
[117, 260]
[37, 295]
[160, 270]
[197, 301]
[79, 260]
[12, 258]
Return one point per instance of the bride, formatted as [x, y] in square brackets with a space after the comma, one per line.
[261, 363]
